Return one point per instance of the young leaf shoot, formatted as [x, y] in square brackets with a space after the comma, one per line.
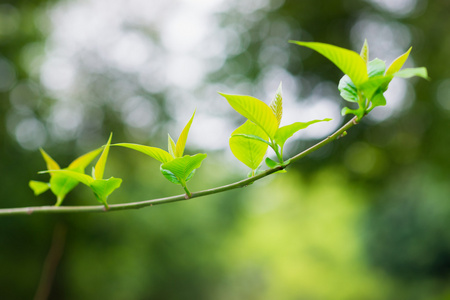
[249, 142]
[364, 81]
[102, 188]
[175, 167]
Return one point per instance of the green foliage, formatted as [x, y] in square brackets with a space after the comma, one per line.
[364, 81]
[249, 142]
[59, 184]
[175, 167]
[250, 151]
[102, 188]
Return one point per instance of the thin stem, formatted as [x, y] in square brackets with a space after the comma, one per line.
[59, 200]
[135, 205]
[274, 146]
[188, 193]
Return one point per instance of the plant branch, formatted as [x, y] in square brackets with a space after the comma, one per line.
[135, 205]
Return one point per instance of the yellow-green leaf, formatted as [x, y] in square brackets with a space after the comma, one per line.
[51, 164]
[256, 111]
[156, 153]
[348, 61]
[83, 178]
[251, 152]
[38, 187]
[411, 72]
[181, 142]
[171, 146]
[104, 187]
[398, 63]
[365, 52]
[61, 185]
[182, 167]
[84, 160]
[277, 105]
[101, 163]
[287, 131]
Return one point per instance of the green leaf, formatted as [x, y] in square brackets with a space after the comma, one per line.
[411, 72]
[181, 142]
[287, 131]
[182, 167]
[271, 163]
[256, 111]
[170, 176]
[277, 105]
[101, 163]
[171, 146]
[376, 67]
[83, 178]
[348, 89]
[38, 187]
[51, 164]
[61, 184]
[398, 63]
[156, 153]
[84, 160]
[252, 137]
[251, 152]
[378, 100]
[348, 61]
[359, 113]
[102, 188]
[374, 84]
[365, 52]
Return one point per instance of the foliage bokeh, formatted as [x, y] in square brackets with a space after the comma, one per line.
[363, 218]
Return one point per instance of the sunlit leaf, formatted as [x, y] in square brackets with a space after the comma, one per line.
[171, 146]
[84, 160]
[359, 113]
[287, 131]
[251, 152]
[256, 111]
[348, 89]
[348, 61]
[411, 72]
[271, 163]
[170, 176]
[374, 84]
[156, 153]
[61, 184]
[252, 137]
[182, 167]
[376, 67]
[398, 63]
[365, 52]
[51, 164]
[181, 142]
[277, 104]
[101, 163]
[83, 178]
[102, 188]
[38, 187]
[378, 100]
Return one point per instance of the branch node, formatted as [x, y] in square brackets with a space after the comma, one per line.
[29, 211]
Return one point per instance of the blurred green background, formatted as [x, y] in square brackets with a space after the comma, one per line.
[364, 218]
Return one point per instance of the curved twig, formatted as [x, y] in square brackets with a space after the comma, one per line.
[140, 204]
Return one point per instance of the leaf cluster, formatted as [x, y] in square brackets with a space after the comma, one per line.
[249, 142]
[364, 82]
